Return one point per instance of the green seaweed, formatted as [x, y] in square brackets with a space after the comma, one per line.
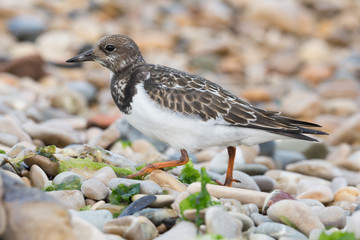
[125, 143]
[199, 200]
[123, 193]
[338, 235]
[85, 208]
[86, 163]
[47, 151]
[2, 151]
[189, 174]
[287, 221]
[75, 184]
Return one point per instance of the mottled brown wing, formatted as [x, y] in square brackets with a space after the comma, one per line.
[193, 95]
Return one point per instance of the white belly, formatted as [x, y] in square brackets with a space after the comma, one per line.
[184, 132]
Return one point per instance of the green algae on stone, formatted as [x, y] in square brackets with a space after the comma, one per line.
[87, 164]
[199, 200]
[338, 235]
[123, 193]
[189, 174]
[47, 151]
[75, 184]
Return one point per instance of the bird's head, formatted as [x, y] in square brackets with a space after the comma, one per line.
[115, 52]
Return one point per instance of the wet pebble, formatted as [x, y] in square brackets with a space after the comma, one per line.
[94, 189]
[132, 228]
[146, 187]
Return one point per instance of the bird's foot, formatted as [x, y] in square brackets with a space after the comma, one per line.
[228, 182]
[153, 166]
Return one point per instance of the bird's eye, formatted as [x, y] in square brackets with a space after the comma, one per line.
[110, 48]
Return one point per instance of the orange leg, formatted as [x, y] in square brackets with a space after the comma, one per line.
[152, 166]
[229, 173]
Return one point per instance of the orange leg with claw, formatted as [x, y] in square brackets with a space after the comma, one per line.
[152, 166]
[229, 173]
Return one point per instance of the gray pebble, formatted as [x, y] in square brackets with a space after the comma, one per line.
[252, 169]
[265, 183]
[220, 222]
[246, 182]
[26, 28]
[259, 218]
[333, 216]
[278, 230]
[247, 222]
[284, 157]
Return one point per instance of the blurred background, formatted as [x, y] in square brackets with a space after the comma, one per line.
[298, 57]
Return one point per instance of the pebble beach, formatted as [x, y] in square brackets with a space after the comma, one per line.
[65, 149]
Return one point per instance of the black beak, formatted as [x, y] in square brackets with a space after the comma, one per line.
[82, 57]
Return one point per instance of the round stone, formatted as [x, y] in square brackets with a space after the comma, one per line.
[219, 222]
[104, 175]
[296, 213]
[94, 189]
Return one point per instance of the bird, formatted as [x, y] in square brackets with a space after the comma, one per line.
[184, 110]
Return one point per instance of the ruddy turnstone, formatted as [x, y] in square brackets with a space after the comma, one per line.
[186, 111]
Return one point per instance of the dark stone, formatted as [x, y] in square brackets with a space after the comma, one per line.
[29, 66]
[267, 148]
[138, 205]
